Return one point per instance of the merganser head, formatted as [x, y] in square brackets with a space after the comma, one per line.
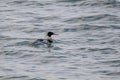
[49, 34]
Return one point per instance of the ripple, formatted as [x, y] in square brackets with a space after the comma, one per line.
[57, 48]
[37, 79]
[90, 3]
[26, 56]
[29, 3]
[93, 27]
[108, 73]
[116, 62]
[104, 72]
[115, 26]
[92, 18]
[56, 57]
[103, 50]
[114, 73]
[70, 0]
[71, 29]
[1, 76]
[11, 53]
[17, 77]
[19, 2]
[22, 43]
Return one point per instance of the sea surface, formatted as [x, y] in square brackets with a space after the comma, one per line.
[87, 47]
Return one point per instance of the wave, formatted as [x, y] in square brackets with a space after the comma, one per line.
[92, 18]
[103, 50]
[93, 3]
[78, 28]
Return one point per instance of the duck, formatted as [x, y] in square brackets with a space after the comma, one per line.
[47, 41]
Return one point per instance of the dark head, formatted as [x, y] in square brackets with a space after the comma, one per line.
[50, 34]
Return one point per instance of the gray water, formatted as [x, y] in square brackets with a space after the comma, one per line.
[87, 47]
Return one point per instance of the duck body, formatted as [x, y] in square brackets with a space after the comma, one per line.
[47, 41]
[42, 41]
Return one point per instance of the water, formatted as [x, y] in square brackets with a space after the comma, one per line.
[87, 47]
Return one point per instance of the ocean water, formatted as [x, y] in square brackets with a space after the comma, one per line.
[87, 47]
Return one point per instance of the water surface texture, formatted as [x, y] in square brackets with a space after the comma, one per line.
[87, 47]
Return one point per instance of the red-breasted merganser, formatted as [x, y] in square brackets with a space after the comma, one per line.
[47, 41]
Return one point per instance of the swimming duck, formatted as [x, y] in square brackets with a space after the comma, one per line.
[47, 41]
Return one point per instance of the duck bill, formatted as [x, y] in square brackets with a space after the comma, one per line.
[55, 34]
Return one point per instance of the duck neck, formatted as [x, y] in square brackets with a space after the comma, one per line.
[49, 39]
